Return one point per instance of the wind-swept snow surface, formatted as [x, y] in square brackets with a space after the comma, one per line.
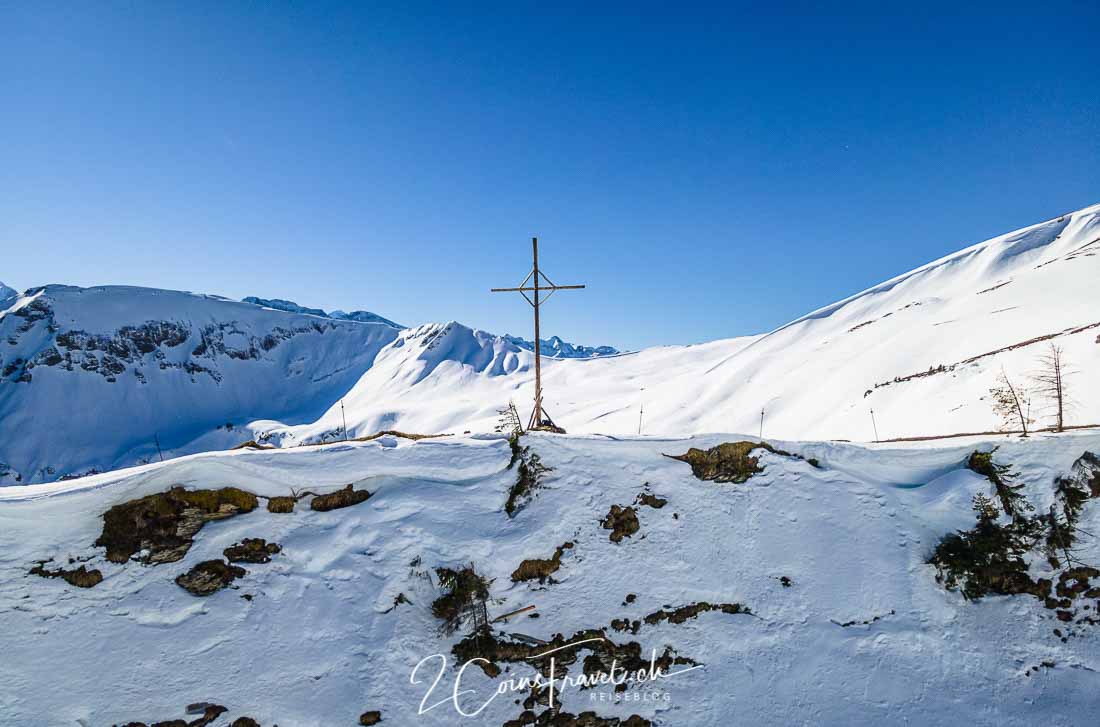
[847, 623]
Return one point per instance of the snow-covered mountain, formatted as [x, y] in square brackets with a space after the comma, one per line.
[921, 349]
[97, 378]
[554, 347]
[363, 316]
[93, 379]
[89, 377]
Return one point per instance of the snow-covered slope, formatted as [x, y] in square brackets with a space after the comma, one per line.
[921, 349]
[847, 627]
[93, 378]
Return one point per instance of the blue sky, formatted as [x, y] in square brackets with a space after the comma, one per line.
[707, 172]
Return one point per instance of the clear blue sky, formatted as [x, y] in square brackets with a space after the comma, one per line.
[707, 172]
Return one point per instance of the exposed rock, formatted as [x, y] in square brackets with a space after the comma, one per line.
[251, 550]
[165, 523]
[539, 568]
[370, 718]
[209, 577]
[621, 521]
[245, 722]
[80, 577]
[341, 498]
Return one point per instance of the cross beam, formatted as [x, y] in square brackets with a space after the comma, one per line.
[533, 283]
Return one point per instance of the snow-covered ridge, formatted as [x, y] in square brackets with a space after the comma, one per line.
[94, 378]
[922, 349]
[290, 306]
[554, 347]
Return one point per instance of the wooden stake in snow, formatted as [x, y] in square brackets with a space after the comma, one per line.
[539, 417]
[342, 416]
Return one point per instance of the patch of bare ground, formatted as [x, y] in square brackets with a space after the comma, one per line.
[395, 433]
[370, 718]
[540, 568]
[281, 504]
[865, 622]
[210, 712]
[683, 613]
[732, 462]
[601, 653]
[346, 497]
[208, 577]
[554, 717]
[621, 521]
[253, 444]
[251, 550]
[80, 577]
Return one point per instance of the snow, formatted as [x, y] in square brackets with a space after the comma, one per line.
[817, 377]
[995, 304]
[233, 363]
[315, 646]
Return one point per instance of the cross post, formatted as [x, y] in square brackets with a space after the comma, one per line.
[538, 284]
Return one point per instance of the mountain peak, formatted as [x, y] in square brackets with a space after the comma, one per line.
[6, 294]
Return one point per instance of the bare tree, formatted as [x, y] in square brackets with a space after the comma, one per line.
[1012, 403]
[1050, 384]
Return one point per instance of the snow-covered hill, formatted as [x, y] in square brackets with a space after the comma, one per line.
[95, 378]
[921, 349]
[845, 623]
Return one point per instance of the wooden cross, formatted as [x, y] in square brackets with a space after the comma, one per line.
[539, 417]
